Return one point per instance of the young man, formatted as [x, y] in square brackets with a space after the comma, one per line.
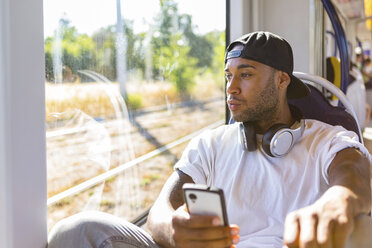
[299, 190]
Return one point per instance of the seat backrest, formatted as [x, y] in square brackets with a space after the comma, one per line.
[316, 106]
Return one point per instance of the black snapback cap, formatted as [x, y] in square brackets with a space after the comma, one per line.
[272, 50]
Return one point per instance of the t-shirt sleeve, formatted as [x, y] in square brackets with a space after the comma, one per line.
[195, 160]
[338, 141]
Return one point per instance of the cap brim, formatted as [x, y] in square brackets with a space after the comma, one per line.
[297, 89]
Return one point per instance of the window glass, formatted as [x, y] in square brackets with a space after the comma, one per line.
[128, 83]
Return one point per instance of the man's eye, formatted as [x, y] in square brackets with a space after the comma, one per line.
[244, 75]
[228, 77]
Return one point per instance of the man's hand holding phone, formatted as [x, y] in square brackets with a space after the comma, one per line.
[202, 229]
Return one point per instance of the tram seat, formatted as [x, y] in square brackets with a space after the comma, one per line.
[317, 106]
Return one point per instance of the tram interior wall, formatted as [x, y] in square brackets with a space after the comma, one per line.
[287, 18]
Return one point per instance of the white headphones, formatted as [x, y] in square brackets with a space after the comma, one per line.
[277, 141]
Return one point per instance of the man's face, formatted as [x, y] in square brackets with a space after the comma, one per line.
[252, 94]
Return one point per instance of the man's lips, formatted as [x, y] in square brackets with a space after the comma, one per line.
[233, 104]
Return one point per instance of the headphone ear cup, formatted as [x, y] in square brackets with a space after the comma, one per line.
[248, 136]
[268, 136]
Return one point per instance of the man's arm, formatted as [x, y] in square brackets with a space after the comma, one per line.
[159, 221]
[350, 169]
[330, 220]
[169, 223]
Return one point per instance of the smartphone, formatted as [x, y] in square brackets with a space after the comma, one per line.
[203, 200]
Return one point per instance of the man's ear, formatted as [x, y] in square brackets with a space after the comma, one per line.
[284, 80]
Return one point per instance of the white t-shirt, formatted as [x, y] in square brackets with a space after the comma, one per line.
[261, 190]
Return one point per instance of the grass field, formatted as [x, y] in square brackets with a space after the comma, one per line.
[99, 100]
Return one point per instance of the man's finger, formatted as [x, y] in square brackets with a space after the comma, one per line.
[180, 217]
[226, 242]
[234, 229]
[200, 221]
[195, 221]
[291, 230]
[324, 233]
[308, 230]
[213, 233]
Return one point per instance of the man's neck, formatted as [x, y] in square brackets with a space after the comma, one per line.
[283, 116]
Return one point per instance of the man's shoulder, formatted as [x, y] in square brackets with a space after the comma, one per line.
[221, 132]
[320, 125]
[322, 129]
[223, 129]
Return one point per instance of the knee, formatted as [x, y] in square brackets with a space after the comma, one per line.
[75, 223]
[79, 226]
[97, 229]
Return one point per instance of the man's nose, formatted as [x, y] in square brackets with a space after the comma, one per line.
[233, 86]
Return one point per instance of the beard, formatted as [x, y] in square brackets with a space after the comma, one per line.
[264, 107]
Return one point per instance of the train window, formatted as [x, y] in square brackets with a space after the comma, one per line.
[127, 84]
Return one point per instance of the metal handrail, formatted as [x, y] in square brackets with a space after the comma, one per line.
[334, 39]
[341, 42]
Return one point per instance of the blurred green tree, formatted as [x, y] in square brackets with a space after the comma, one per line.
[216, 68]
[171, 50]
[106, 50]
[200, 47]
[77, 50]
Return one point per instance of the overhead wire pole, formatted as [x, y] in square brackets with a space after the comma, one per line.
[121, 46]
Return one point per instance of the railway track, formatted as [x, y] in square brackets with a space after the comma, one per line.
[132, 171]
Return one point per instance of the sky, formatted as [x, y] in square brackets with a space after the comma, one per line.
[89, 15]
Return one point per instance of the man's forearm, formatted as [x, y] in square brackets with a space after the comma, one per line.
[159, 226]
[350, 170]
[159, 222]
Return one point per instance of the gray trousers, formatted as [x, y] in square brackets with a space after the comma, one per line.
[102, 230]
[95, 229]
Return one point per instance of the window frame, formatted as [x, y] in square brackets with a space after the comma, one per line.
[22, 125]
